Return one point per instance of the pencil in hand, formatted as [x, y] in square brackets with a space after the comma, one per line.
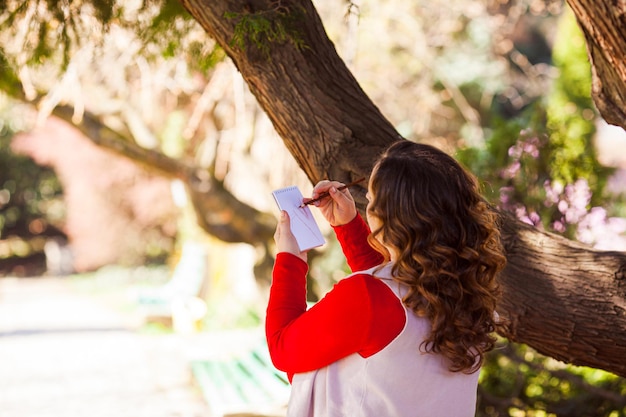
[326, 194]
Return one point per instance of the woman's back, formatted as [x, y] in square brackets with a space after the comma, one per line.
[395, 382]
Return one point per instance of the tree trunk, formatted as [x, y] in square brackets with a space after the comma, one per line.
[604, 24]
[574, 311]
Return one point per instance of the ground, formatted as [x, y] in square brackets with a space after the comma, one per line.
[70, 352]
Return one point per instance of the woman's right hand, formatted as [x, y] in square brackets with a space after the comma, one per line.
[338, 208]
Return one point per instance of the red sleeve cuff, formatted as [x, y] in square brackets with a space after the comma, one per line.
[355, 224]
[291, 261]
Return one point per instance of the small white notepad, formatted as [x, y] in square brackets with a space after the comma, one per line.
[303, 224]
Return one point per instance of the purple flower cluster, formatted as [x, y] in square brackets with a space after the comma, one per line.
[593, 226]
[508, 203]
[528, 145]
[602, 232]
[571, 200]
[566, 205]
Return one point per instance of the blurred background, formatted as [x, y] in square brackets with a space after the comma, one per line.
[113, 268]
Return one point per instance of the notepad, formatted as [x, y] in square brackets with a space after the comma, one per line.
[303, 224]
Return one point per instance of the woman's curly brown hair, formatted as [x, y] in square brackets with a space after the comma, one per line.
[448, 248]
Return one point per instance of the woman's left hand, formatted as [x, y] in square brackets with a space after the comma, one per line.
[284, 238]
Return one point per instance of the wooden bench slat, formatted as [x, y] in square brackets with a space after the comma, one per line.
[248, 382]
[268, 378]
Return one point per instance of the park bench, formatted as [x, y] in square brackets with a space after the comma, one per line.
[242, 384]
[180, 301]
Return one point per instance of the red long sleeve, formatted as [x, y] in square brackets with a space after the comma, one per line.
[353, 239]
[359, 315]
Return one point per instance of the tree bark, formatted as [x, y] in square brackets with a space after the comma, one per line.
[563, 298]
[574, 311]
[604, 24]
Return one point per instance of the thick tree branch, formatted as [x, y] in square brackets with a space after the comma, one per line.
[109, 139]
[604, 25]
[221, 213]
[563, 298]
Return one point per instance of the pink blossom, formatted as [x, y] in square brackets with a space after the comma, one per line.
[512, 170]
[515, 152]
[553, 192]
[559, 226]
[601, 232]
[578, 196]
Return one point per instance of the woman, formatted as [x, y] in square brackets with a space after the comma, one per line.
[406, 333]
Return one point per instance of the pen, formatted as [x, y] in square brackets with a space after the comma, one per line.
[326, 194]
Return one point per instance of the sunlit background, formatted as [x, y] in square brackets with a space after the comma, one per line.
[123, 293]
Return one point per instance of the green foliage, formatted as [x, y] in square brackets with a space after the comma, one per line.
[54, 26]
[517, 169]
[570, 111]
[168, 29]
[263, 28]
[30, 195]
[542, 164]
[205, 60]
[518, 381]
[58, 28]
[525, 132]
[9, 81]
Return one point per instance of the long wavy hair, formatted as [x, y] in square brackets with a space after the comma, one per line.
[448, 248]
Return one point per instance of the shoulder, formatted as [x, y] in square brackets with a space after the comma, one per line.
[362, 279]
[381, 310]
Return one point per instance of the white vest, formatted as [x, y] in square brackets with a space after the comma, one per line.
[398, 381]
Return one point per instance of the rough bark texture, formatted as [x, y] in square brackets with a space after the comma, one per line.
[604, 25]
[563, 299]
